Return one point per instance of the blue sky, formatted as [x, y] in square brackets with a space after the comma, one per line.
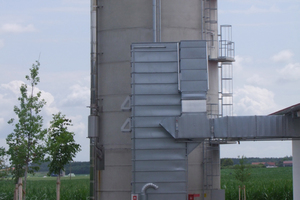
[57, 32]
[267, 68]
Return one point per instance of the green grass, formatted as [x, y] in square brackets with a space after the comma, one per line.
[264, 184]
[39, 188]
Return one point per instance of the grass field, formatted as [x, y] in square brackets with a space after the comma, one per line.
[39, 188]
[264, 184]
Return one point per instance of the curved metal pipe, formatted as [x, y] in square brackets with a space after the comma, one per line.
[145, 188]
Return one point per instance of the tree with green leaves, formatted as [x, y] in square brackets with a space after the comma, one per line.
[3, 166]
[25, 143]
[242, 174]
[61, 146]
[242, 171]
[225, 162]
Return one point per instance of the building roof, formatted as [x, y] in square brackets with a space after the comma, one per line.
[264, 163]
[288, 162]
[257, 163]
[288, 110]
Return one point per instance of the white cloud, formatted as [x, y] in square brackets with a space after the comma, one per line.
[17, 28]
[78, 127]
[258, 80]
[80, 130]
[3, 143]
[13, 86]
[290, 72]
[50, 107]
[79, 96]
[75, 2]
[254, 10]
[2, 122]
[1, 44]
[251, 100]
[11, 92]
[284, 56]
[67, 9]
[262, 149]
[240, 62]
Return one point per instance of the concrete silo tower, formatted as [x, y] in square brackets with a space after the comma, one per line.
[115, 26]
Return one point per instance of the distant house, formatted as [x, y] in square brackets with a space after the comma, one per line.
[264, 163]
[288, 163]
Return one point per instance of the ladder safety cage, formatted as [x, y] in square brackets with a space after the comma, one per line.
[226, 45]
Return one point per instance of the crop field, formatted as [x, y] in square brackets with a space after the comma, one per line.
[264, 184]
[39, 188]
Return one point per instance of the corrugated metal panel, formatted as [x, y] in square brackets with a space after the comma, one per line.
[146, 122]
[157, 157]
[170, 190]
[193, 126]
[256, 127]
[192, 52]
[293, 126]
[193, 69]
[155, 89]
[157, 110]
[194, 86]
[155, 67]
[191, 64]
[166, 100]
[165, 143]
[193, 43]
[193, 105]
[151, 133]
[157, 78]
[244, 126]
[160, 164]
[221, 127]
[194, 75]
[270, 126]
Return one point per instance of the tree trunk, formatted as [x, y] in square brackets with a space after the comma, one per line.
[16, 192]
[70, 170]
[58, 187]
[25, 180]
[20, 189]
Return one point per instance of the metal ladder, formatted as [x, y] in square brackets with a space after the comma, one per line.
[226, 88]
[210, 19]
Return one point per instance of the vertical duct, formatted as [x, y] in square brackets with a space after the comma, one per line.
[93, 118]
[202, 19]
[159, 20]
[154, 21]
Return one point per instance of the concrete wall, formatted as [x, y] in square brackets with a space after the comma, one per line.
[120, 23]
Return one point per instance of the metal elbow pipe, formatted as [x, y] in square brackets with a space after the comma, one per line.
[145, 188]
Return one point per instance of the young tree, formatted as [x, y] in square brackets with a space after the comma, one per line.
[61, 146]
[3, 166]
[242, 174]
[242, 171]
[26, 141]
